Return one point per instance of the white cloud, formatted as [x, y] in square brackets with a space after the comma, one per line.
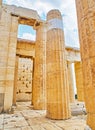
[67, 8]
[27, 36]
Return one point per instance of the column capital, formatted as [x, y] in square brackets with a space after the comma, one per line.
[69, 62]
[39, 24]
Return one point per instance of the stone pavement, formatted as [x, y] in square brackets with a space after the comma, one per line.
[24, 118]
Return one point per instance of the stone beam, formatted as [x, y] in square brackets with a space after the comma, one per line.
[72, 54]
[25, 48]
[26, 16]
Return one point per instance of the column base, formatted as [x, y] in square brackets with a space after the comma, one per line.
[87, 128]
[57, 112]
[39, 106]
[58, 118]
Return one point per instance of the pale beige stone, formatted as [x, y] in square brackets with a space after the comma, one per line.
[72, 54]
[30, 15]
[57, 55]
[25, 119]
[24, 79]
[25, 48]
[8, 60]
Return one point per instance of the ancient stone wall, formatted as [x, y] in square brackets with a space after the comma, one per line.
[24, 82]
[25, 48]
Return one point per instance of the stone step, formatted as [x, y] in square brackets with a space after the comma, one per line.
[78, 108]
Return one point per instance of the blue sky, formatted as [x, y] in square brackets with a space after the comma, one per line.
[66, 7]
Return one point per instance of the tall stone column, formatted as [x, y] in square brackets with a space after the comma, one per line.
[56, 72]
[15, 80]
[86, 22]
[79, 81]
[39, 87]
[33, 59]
[71, 82]
[8, 41]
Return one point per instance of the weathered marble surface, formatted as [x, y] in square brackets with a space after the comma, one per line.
[24, 118]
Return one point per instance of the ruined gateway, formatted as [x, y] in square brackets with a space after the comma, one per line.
[48, 69]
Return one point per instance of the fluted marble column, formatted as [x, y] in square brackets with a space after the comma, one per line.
[71, 82]
[56, 71]
[79, 81]
[86, 22]
[39, 87]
